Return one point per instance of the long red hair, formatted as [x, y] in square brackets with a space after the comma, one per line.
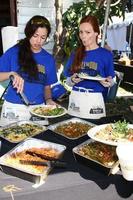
[80, 51]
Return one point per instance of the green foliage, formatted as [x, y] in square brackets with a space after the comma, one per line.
[1, 101]
[73, 15]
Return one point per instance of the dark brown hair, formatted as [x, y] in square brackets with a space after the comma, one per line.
[80, 51]
[25, 57]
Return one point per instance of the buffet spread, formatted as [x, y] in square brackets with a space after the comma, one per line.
[92, 145]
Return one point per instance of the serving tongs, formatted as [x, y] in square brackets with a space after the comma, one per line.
[43, 156]
[23, 96]
[49, 161]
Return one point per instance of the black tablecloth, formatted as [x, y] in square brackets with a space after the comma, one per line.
[75, 182]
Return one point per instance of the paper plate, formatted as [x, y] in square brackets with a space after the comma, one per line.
[86, 76]
[48, 111]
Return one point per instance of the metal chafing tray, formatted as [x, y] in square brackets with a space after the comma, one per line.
[5, 130]
[69, 141]
[93, 163]
[74, 120]
[27, 174]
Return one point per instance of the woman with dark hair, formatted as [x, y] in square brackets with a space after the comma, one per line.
[90, 60]
[33, 70]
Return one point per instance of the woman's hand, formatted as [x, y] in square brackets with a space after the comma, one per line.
[75, 79]
[50, 102]
[18, 82]
[48, 96]
[71, 81]
[108, 82]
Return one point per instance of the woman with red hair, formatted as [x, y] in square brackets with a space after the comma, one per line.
[91, 59]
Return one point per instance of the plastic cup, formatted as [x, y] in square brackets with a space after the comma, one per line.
[124, 152]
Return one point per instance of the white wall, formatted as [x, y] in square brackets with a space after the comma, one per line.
[27, 9]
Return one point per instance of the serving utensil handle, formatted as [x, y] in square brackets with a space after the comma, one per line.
[23, 96]
[59, 164]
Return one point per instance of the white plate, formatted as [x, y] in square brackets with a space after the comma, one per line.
[92, 134]
[86, 76]
[47, 107]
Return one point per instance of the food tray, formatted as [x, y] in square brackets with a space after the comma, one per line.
[68, 140]
[73, 120]
[26, 173]
[92, 163]
[16, 137]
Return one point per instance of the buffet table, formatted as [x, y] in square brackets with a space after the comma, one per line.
[75, 182]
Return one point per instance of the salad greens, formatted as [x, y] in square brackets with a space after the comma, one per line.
[120, 129]
[56, 111]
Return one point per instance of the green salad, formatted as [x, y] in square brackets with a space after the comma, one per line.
[48, 111]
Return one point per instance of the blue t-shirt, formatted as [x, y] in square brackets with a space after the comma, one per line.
[33, 89]
[96, 62]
